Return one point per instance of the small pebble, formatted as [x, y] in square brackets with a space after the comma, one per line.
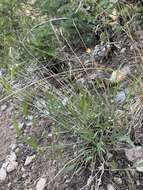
[67, 181]
[23, 169]
[29, 159]
[123, 50]
[28, 124]
[9, 184]
[138, 182]
[1, 73]
[11, 127]
[25, 131]
[120, 97]
[25, 175]
[50, 135]
[17, 150]
[101, 188]
[12, 166]
[11, 157]
[30, 117]
[41, 183]
[110, 187]
[13, 146]
[3, 107]
[3, 174]
[118, 180]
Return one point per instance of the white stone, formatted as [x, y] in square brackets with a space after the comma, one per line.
[12, 166]
[41, 183]
[11, 127]
[24, 175]
[123, 50]
[50, 135]
[28, 160]
[120, 97]
[30, 117]
[5, 164]
[11, 157]
[9, 184]
[110, 187]
[3, 174]
[3, 107]
[28, 124]
[13, 146]
[23, 169]
[118, 180]
[64, 102]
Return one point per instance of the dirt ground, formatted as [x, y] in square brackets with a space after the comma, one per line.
[48, 164]
[7, 136]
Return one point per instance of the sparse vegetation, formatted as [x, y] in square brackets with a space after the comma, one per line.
[73, 65]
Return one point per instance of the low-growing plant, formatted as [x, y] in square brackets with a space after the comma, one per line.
[90, 118]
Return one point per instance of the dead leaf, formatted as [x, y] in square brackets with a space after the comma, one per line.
[113, 23]
[114, 15]
[88, 50]
[120, 75]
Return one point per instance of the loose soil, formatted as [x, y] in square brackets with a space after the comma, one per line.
[48, 163]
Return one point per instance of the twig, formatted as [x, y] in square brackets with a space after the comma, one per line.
[73, 160]
[46, 78]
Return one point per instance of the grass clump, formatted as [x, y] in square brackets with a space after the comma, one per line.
[89, 118]
[88, 115]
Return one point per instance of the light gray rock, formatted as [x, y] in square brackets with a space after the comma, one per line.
[9, 184]
[41, 184]
[101, 51]
[134, 154]
[3, 107]
[29, 159]
[120, 97]
[13, 147]
[12, 166]
[110, 187]
[118, 180]
[11, 157]
[123, 50]
[3, 174]
[23, 169]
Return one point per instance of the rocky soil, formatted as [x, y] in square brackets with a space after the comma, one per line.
[26, 166]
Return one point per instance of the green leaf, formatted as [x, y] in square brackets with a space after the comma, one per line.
[16, 124]
[32, 142]
[126, 139]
